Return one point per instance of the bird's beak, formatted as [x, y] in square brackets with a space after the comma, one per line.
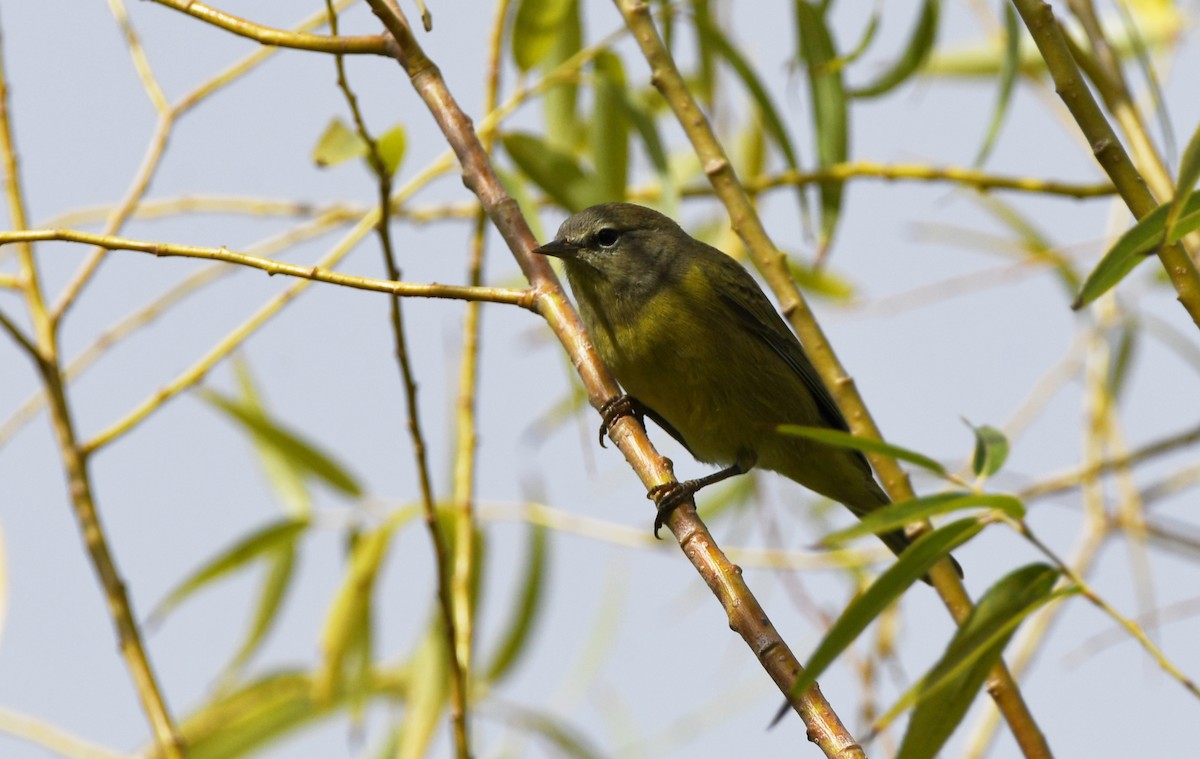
[558, 249]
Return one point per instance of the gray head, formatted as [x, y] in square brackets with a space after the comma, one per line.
[632, 248]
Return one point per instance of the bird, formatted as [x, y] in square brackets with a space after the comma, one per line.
[699, 348]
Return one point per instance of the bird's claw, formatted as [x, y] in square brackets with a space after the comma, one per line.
[668, 497]
[613, 410]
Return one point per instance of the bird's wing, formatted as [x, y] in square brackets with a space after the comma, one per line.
[758, 316]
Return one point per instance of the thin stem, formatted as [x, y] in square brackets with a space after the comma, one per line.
[746, 616]
[772, 265]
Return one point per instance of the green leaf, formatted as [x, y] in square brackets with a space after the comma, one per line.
[896, 515]
[1008, 76]
[1132, 248]
[303, 455]
[1185, 183]
[428, 695]
[536, 29]
[991, 450]
[560, 104]
[284, 475]
[820, 280]
[555, 171]
[920, 44]
[947, 691]
[609, 139]
[643, 121]
[912, 564]
[516, 640]
[830, 115]
[349, 616]
[565, 740]
[771, 120]
[338, 143]
[862, 444]
[1122, 357]
[281, 562]
[392, 145]
[257, 545]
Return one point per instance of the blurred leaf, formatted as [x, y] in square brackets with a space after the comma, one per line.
[301, 454]
[1185, 183]
[912, 564]
[869, 32]
[392, 145]
[771, 121]
[643, 121]
[610, 128]
[991, 450]
[1140, 49]
[830, 117]
[1032, 241]
[1133, 247]
[820, 281]
[280, 563]
[704, 82]
[1008, 76]
[920, 44]
[516, 640]
[1122, 357]
[240, 723]
[261, 543]
[865, 445]
[428, 694]
[347, 623]
[556, 172]
[516, 186]
[338, 143]
[560, 104]
[536, 29]
[901, 513]
[565, 740]
[284, 475]
[947, 691]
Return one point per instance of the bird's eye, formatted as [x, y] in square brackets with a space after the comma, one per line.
[607, 237]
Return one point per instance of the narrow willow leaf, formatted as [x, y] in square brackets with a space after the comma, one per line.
[536, 28]
[863, 444]
[516, 640]
[351, 607]
[428, 694]
[566, 740]
[338, 143]
[820, 281]
[257, 545]
[991, 450]
[920, 44]
[303, 455]
[609, 138]
[912, 564]
[830, 115]
[281, 562]
[869, 32]
[1008, 76]
[242, 722]
[771, 119]
[284, 475]
[1131, 249]
[1122, 357]
[518, 188]
[957, 678]
[896, 515]
[643, 121]
[1185, 183]
[560, 104]
[392, 145]
[556, 172]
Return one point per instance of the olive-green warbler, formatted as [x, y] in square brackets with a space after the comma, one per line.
[699, 348]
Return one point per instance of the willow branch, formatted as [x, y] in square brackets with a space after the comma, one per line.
[746, 616]
[773, 266]
[1039, 19]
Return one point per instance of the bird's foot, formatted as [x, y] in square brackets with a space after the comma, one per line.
[669, 496]
[614, 409]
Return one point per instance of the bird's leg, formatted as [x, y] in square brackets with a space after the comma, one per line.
[671, 495]
[615, 408]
